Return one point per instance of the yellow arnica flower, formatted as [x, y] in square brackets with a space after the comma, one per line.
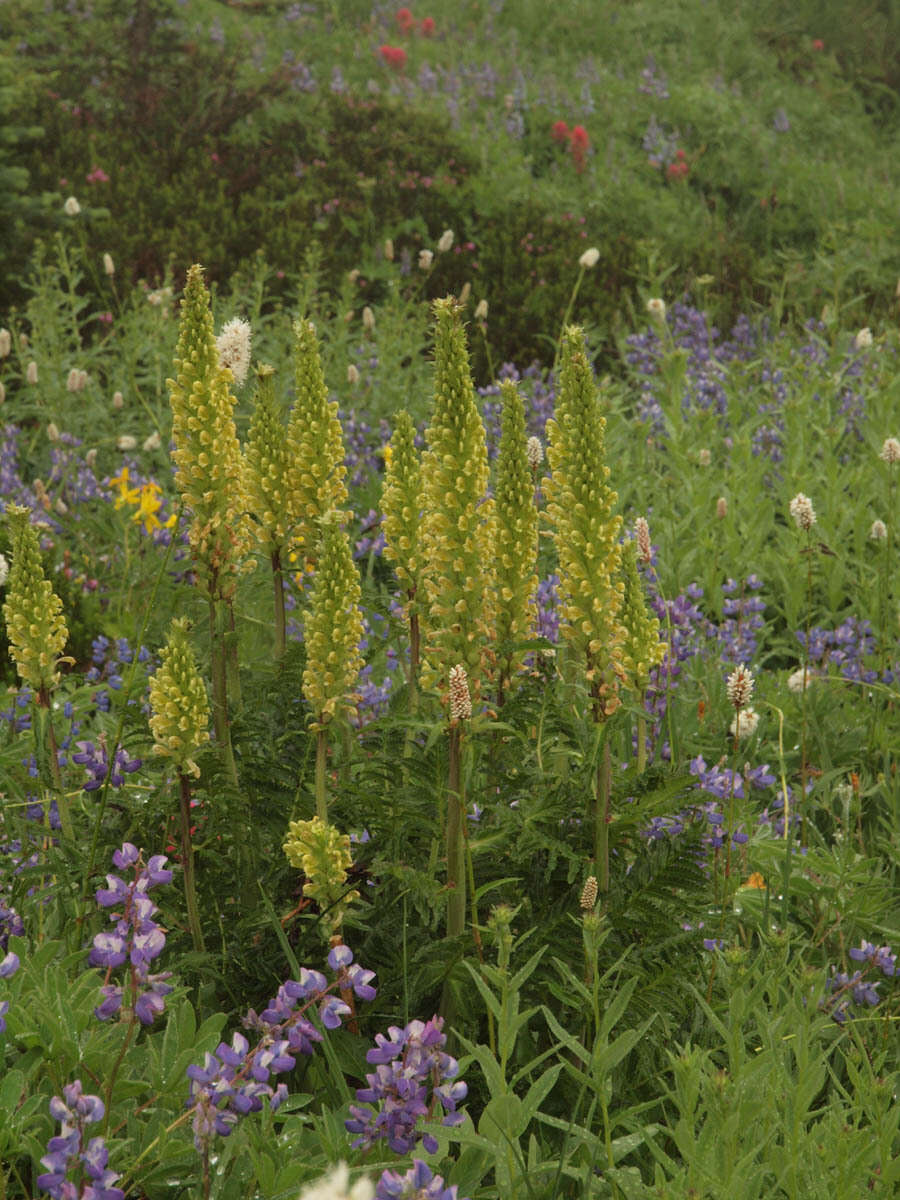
[35, 626]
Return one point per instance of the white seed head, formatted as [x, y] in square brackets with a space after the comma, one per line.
[73, 383]
[799, 679]
[704, 457]
[153, 442]
[803, 512]
[233, 345]
[890, 451]
[740, 686]
[53, 431]
[590, 258]
[336, 1186]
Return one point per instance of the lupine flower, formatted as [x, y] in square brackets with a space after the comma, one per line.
[179, 707]
[802, 511]
[93, 756]
[458, 518]
[515, 536]
[585, 528]
[235, 1080]
[11, 925]
[413, 1075]
[233, 346]
[419, 1183]
[136, 937]
[75, 1110]
[35, 625]
[323, 854]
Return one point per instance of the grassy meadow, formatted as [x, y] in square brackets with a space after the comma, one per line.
[449, 701]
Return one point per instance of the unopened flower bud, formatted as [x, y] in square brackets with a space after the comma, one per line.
[445, 241]
[460, 700]
[642, 538]
[465, 293]
[31, 372]
[481, 310]
[589, 893]
[368, 319]
[590, 258]
[721, 508]
[118, 400]
[389, 249]
[109, 267]
[353, 374]
[5, 343]
[426, 258]
[53, 432]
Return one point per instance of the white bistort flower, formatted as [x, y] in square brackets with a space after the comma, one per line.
[657, 309]
[4, 570]
[863, 339]
[878, 532]
[31, 372]
[481, 310]
[890, 451]
[796, 679]
[336, 1186]
[744, 723]
[460, 700]
[71, 207]
[590, 258]
[109, 267]
[233, 345]
[534, 452]
[426, 258]
[445, 241]
[803, 512]
[5, 342]
[126, 441]
[740, 686]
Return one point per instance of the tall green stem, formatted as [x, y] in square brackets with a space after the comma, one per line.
[321, 765]
[46, 731]
[602, 816]
[219, 673]
[187, 862]
[280, 620]
[456, 880]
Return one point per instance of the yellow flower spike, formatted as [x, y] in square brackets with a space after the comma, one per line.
[267, 465]
[35, 625]
[515, 545]
[179, 707]
[315, 442]
[333, 627]
[641, 650]
[457, 525]
[322, 853]
[585, 528]
[207, 452]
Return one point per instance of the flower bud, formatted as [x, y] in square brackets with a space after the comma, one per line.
[460, 700]
[31, 372]
[71, 207]
[368, 319]
[5, 343]
[590, 258]
[657, 309]
[481, 310]
[352, 374]
[721, 508]
[109, 267]
[389, 249]
[445, 241]
[426, 258]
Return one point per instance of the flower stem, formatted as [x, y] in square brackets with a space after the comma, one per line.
[187, 862]
[280, 622]
[321, 765]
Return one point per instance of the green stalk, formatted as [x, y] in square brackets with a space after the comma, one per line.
[280, 620]
[602, 814]
[642, 735]
[218, 671]
[232, 664]
[321, 765]
[44, 735]
[187, 862]
[456, 880]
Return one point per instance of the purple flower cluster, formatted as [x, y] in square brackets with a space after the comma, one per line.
[10, 923]
[135, 939]
[856, 988]
[413, 1074]
[235, 1080]
[94, 756]
[68, 1150]
[419, 1183]
[845, 647]
[742, 619]
[109, 660]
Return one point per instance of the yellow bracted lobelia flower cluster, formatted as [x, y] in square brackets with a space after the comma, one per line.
[207, 451]
[585, 528]
[641, 650]
[457, 527]
[323, 855]
[35, 627]
[179, 708]
[315, 443]
[402, 502]
[267, 464]
[333, 626]
[515, 546]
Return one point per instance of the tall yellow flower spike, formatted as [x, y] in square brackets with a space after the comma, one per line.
[207, 452]
[457, 527]
[323, 855]
[315, 443]
[35, 626]
[267, 465]
[585, 528]
[641, 650]
[179, 708]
